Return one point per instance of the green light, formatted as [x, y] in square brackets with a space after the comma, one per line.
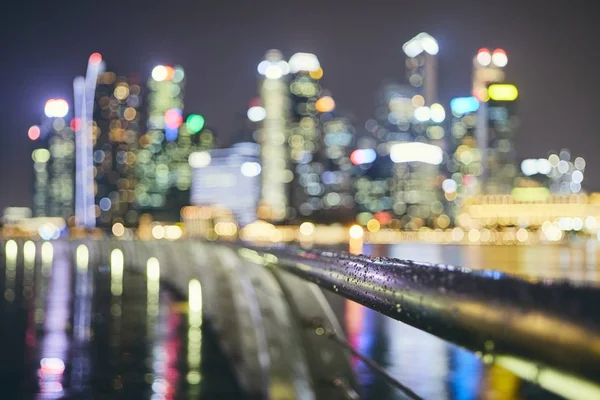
[195, 123]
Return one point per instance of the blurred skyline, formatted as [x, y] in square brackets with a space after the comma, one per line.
[550, 50]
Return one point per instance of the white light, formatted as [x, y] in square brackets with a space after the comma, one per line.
[437, 113]
[422, 42]
[257, 113]
[173, 232]
[429, 44]
[411, 152]
[543, 166]
[529, 167]
[273, 71]
[307, 228]
[250, 169]
[158, 232]
[82, 257]
[262, 67]
[285, 67]
[116, 272]
[577, 176]
[590, 223]
[412, 48]
[153, 269]
[577, 224]
[563, 167]
[199, 159]
[499, 59]
[56, 108]
[449, 186]
[159, 73]
[304, 62]
[422, 114]
[484, 58]
[195, 303]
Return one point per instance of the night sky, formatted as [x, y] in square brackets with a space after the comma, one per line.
[552, 47]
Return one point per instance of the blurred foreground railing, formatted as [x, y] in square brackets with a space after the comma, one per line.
[547, 331]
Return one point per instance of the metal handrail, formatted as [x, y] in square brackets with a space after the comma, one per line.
[552, 325]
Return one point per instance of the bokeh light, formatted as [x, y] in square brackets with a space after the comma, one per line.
[34, 132]
[194, 123]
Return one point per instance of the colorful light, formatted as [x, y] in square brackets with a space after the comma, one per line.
[34, 132]
[194, 123]
[363, 156]
[173, 118]
[325, 104]
[95, 58]
[503, 92]
[464, 105]
[75, 124]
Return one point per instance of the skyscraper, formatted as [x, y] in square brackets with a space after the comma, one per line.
[116, 134]
[488, 68]
[305, 139]
[273, 138]
[155, 170]
[500, 168]
[421, 65]
[464, 164]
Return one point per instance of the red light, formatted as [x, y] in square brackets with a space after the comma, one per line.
[499, 51]
[95, 58]
[384, 218]
[173, 118]
[255, 102]
[34, 132]
[483, 50]
[75, 124]
[170, 73]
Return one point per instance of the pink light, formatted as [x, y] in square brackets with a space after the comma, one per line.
[34, 132]
[173, 118]
[75, 124]
[95, 58]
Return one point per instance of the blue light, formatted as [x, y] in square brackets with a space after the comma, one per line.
[105, 204]
[464, 105]
[171, 134]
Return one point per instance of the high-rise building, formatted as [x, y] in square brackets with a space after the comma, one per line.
[154, 163]
[464, 164]
[54, 163]
[488, 68]
[273, 138]
[305, 141]
[421, 65]
[116, 135]
[500, 167]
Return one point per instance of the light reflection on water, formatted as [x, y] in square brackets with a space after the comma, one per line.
[433, 368]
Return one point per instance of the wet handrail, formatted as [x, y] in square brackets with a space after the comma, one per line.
[552, 326]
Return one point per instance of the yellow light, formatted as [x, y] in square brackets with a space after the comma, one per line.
[29, 254]
[153, 269]
[531, 194]
[418, 100]
[373, 225]
[195, 303]
[158, 232]
[116, 272]
[307, 228]
[82, 257]
[118, 229]
[47, 257]
[316, 74]
[325, 104]
[356, 232]
[11, 250]
[173, 232]
[503, 92]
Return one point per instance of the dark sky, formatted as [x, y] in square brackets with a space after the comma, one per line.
[552, 47]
